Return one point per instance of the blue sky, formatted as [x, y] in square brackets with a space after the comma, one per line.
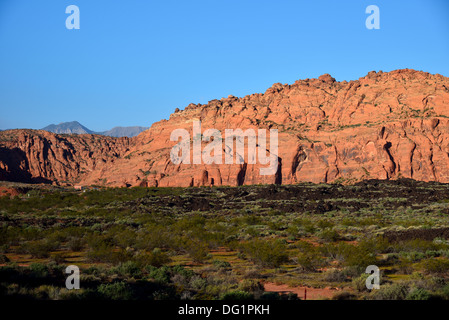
[133, 62]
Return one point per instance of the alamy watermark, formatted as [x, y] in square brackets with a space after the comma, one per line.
[73, 280]
[373, 20]
[257, 151]
[373, 281]
[73, 20]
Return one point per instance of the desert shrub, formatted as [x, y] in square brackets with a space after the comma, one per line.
[156, 258]
[180, 270]
[359, 256]
[390, 259]
[359, 283]
[3, 258]
[161, 275]
[252, 274]
[158, 237]
[270, 296]
[39, 270]
[107, 253]
[445, 291]
[391, 292]
[335, 275]
[270, 253]
[310, 260]
[115, 291]
[40, 248]
[431, 284]
[253, 286]
[100, 254]
[94, 270]
[329, 235]
[75, 244]
[124, 238]
[435, 266]
[197, 283]
[306, 225]
[129, 269]
[277, 296]
[237, 295]
[351, 272]
[325, 224]
[343, 296]
[292, 232]
[221, 264]
[419, 294]
[42, 292]
[58, 257]
[412, 256]
[198, 252]
[405, 266]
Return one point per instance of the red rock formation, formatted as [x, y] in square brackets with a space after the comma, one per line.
[384, 125]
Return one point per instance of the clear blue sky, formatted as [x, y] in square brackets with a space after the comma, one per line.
[133, 62]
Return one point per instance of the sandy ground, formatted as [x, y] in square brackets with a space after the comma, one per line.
[312, 293]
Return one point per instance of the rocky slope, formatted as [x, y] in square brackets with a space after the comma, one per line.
[384, 125]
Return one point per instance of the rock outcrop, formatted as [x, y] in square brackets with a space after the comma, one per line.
[383, 126]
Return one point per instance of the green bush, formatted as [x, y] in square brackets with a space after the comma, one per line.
[39, 270]
[335, 275]
[129, 269]
[311, 260]
[75, 244]
[221, 264]
[253, 286]
[391, 292]
[198, 252]
[58, 257]
[435, 266]
[237, 295]
[359, 256]
[329, 235]
[40, 248]
[180, 270]
[445, 291]
[268, 253]
[360, 283]
[161, 275]
[115, 291]
[418, 294]
[156, 258]
[343, 296]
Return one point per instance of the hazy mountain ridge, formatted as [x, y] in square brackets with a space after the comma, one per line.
[74, 127]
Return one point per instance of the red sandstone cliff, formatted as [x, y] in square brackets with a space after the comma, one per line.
[384, 125]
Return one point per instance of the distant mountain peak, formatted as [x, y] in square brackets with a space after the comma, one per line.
[74, 127]
[68, 128]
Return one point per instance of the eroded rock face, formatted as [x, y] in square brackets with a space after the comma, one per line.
[41, 156]
[384, 126]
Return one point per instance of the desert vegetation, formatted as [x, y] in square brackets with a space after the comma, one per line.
[227, 242]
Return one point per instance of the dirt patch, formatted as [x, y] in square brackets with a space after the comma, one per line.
[312, 293]
[10, 192]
